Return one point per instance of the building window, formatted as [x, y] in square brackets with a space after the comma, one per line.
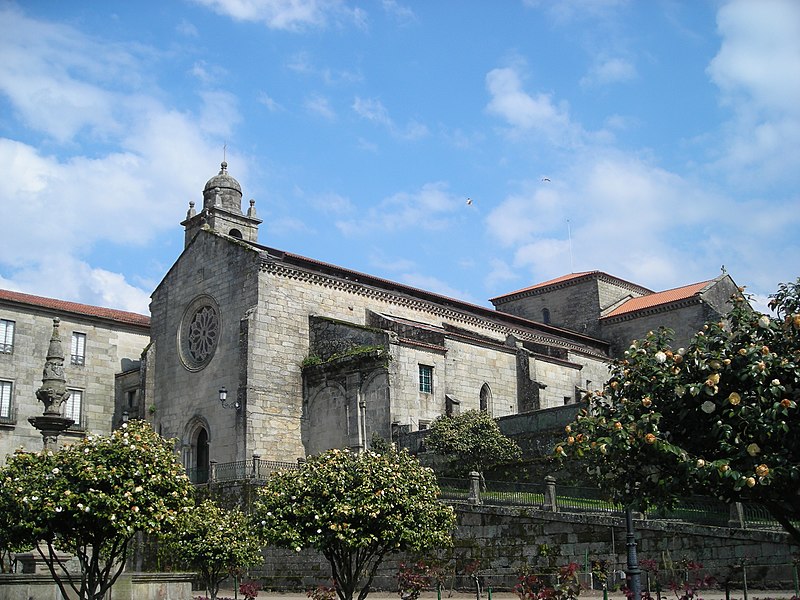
[130, 395]
[546, 316]
[6, 336]
[423, 425]
[78, 349]
[73, 408]
[485, 398]
[6, 388]
[426, 379]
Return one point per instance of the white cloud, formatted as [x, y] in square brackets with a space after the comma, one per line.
[757, 70]
[524, 112]
[289, 15]
[60, 205]
[403, 13]
[373, 110]
[332, 203]
[38, 70]
[62, 276]
[269, 102]
[320, 106]
[430, 208]
[608, 71]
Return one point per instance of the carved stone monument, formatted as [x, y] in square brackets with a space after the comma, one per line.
[52, 394]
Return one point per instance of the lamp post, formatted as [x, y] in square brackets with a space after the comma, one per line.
[633, 571]
[223, 400]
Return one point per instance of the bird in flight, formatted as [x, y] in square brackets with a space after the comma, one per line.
[469, 201]
[545, 179]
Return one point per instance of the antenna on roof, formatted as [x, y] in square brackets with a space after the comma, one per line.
[569, 236]
[225, 152]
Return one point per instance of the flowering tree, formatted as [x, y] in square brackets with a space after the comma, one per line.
[354, 509]
[720, 416]
[471, 441]
[89, 499]
[215, 541]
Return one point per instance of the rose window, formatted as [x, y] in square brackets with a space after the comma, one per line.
[199, 333]
[203, 332]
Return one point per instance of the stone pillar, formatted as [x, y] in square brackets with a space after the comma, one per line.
[736, 518]
[474, 488]
[550, 502]
[52, 394]
[256, 466]
[212, 471]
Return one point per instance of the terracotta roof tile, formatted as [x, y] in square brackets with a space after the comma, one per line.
[547, 283]
[121, 316]
[658, 299]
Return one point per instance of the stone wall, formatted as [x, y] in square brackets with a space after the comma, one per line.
[506, 541]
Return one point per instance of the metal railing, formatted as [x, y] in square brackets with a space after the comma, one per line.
[550, 497]
[239, 470]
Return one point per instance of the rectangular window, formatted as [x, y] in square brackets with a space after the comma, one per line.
[73, 408]
[426, 379]
[78, 349]
[6, 388]
[6, 336]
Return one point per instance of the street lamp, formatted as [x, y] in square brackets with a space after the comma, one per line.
[223, 400]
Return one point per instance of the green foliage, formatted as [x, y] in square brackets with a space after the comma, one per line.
[471, 441]
[89, 499]
[717, 417]
[216, 542]
[354, 509]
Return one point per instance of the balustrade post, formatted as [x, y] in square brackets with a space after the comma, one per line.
[550, 502]
[256, 466]
[212, 471]
[474, 488]
[736, 517]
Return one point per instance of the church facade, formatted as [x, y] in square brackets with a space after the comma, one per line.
[312, 356]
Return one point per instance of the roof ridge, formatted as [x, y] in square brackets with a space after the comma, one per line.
[89, 310]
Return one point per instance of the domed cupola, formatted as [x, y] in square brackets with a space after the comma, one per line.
[223, 191]
[222, 210]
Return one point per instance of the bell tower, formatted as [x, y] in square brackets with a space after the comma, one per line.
[222, 210]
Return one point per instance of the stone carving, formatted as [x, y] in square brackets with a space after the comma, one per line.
[203, 331]
[199, 333]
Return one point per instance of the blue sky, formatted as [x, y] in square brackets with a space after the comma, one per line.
[654, 140]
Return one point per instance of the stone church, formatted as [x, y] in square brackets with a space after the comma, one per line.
[256, 351]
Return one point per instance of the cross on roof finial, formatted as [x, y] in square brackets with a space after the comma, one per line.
[225, 152]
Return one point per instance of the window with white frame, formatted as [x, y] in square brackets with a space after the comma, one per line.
[73, 408]
[6, 390]
[78, 348]
[426, 379]
[6, 336]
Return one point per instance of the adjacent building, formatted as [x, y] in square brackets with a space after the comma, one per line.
[101, 345]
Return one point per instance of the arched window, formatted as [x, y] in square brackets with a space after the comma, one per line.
[201, 456]
[235, 233]
[486, 399]
[546, 316]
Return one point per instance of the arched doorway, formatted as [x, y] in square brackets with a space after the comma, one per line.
[197, 450]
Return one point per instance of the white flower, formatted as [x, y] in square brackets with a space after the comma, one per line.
[56, 471]
[681, 351]
[59, 509]
[661, 357]
[775, 382]
[708, 407]
[763, 321]
[753, 449]
[297, 549]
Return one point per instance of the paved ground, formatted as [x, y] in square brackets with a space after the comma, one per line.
[595, 595]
